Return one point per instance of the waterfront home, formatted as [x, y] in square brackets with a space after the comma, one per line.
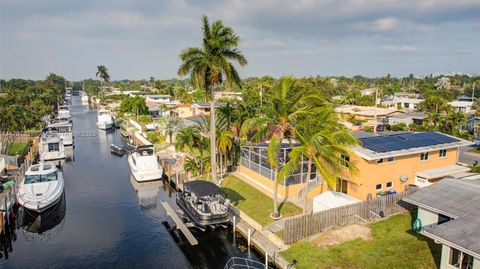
[462, 106]
[159, 98]
[407, 118]
[472, 124]
[368, 91]
[386, 162]
[365, 113]
[227, 95]
[449, 213]
[404, 103]
[203, 109]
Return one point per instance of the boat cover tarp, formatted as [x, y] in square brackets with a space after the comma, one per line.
[202, 188]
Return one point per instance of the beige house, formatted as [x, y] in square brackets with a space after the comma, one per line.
[365, 113]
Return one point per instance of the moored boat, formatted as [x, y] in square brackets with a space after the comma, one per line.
[41, 187]
[144, 164]
[204, 203]
[104, 119]
[51, 146]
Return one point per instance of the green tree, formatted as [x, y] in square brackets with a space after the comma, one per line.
[280, 122]
[210, 64]
[171, 124]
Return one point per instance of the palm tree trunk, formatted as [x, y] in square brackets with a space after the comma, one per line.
[221, 165]
[212, 139]
[305, 188]
[275, 200]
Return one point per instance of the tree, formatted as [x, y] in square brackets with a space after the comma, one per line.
[434, 104]
[280, 122]
[171, 124]
[135, 105]
[210, 64]
[102, 73]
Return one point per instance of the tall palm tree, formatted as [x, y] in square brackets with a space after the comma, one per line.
[171, 124]
[210, 64]
[285, 111]
[224, 144]
[102, 73]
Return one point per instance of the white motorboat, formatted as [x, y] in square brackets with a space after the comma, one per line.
[51, 146]
[144, 164]
[64, 128]
[104, 119]
[41, 188]
[84, 97]
[64, 113]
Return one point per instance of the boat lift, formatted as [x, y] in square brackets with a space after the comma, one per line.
[179, 223]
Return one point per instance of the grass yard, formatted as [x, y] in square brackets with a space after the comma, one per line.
[253, 202]
[394, 246]
[16, 148]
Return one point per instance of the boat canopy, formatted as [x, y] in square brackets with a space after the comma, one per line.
[201, 188]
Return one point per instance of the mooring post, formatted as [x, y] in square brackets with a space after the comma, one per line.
[249, 236]
[234, 225]
[266, 260]
[6, 211]
[176, 182]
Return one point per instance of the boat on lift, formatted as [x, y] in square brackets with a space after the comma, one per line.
[204, 203]
[41, 187]
[144, 164]
[104, 119]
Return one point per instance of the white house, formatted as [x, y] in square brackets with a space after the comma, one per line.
[462, 106]
[449, 213]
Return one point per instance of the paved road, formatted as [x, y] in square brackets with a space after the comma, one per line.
[468, 157]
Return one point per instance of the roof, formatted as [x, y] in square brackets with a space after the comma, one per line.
[384, 145]
[207, 105]
[40, 169]
[461, 103]
[442, 171]
[456, 198]
[202, 188]
[413, 115]
[407, 100]
[368, 111]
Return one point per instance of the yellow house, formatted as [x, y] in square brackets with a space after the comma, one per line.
[386, 162]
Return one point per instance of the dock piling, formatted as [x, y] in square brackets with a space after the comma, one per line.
[234, 225]
[249, 237]
[266, 260]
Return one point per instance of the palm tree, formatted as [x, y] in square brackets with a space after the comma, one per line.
[285, 111]
[102, 73]
[224, 144]
[326, 149]
[209, 65]
[171, 124]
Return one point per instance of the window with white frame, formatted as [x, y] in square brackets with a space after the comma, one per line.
[390, 159]
[345, 160]
[460, 260]
[380, 161]
[424, 156]
[442, 153]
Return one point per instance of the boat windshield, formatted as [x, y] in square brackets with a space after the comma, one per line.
[30, 179]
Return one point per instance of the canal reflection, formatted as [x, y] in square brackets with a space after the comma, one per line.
[43, 223]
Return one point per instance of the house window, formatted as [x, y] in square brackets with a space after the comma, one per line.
[460, 260]
[346, 160]
[406, 105]
[389, 184]
[390, 159]
[380, 161]
[424, 156]
[442, 153]
[341, 186]
[378, 187]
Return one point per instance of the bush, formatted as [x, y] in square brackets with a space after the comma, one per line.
[368, 128]
[155, 138]
[399, 127]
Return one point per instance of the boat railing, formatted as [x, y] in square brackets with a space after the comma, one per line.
[244, 263]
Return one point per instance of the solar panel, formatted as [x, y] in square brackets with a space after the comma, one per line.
[405, 141]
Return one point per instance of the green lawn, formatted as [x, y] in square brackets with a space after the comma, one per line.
[16, 148]
[394, 246]
[253, 202]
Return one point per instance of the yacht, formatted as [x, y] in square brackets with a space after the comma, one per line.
[84, 98]
[104, 119]
[62, 127]
[50, 146]
[41, 188]
[144, 164]
[204, 203]
[64, 113]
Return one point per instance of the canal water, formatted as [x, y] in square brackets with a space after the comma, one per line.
[107, 220]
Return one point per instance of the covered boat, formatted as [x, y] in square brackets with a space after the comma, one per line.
[41, 188]
[51, 146]
[204, 203]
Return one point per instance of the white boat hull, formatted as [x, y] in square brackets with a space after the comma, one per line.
[105, 125]
[41, 196]
[145, 175]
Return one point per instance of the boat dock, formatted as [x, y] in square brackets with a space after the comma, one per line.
[179, 223]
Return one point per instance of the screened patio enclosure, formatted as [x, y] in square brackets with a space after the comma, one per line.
[255, 159]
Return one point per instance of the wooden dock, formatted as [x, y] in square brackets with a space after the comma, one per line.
[180, 225]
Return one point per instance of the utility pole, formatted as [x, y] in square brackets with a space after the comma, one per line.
[473, 92]
[375, 123]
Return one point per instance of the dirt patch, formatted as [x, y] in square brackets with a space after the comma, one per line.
[343, 234]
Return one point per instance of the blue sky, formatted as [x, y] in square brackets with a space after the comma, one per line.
[139, 39]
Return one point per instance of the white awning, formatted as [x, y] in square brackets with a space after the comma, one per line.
[330, 199]
[442, 171]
